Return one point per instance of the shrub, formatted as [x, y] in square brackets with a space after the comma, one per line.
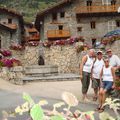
[16, 46]
[10, 62]
[33, 43]
[5, 53]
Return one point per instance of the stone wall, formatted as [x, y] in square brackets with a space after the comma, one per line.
[65, 57]
[14, 74]
[29, 56]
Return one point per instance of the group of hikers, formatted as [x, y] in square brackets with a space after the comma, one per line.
[101, 70]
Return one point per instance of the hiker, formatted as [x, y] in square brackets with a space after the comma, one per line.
[85, 72]
[95, 74]
[106, 78]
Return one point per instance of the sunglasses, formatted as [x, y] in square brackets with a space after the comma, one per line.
[108, 51]
[106, 61]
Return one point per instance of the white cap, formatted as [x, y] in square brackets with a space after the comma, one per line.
[100, 51]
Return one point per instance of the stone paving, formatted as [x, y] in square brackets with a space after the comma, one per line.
[11, 95]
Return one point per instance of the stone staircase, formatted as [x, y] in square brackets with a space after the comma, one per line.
[41, 71]
[46, 73]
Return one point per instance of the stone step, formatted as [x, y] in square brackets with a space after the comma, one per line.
[41, 74]
[41, 70]
[59, 77]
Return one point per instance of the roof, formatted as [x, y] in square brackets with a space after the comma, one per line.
[10, 11]
[41, 14]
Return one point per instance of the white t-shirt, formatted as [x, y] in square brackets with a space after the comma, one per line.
[88, 65]
[114, 61]
[97, 67]
[107, 74]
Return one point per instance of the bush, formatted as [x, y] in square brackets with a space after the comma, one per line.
[16, 46]
[10, 62]
[5, 53]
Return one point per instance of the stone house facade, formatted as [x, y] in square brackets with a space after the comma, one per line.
[11, 27]
[91, 19]
[31, 33]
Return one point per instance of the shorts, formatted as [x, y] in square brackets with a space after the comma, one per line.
[95, 83]
[107, 85]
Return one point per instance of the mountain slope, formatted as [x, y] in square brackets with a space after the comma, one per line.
[28, 8]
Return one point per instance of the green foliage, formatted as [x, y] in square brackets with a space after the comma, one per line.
[1, 64]
[57, 117]
[36, 112]
[29, 8]
[28, 99]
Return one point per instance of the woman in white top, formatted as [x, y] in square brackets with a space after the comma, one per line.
[107, 78]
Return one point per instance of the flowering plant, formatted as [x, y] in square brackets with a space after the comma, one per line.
[69, 41]
[6, 62]
[5, 53]
[16, 46]
[9, 62]
[47, 43]
[33, 43]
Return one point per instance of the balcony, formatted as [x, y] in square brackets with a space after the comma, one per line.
[58, 34]
[11, 27]
[35, 37]
[96, 9]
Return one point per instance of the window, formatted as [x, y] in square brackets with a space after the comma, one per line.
[54, 17]
[118, 23]
[60, 27]
[89, 2]
[9, 20]
[111, 25]
[113, 2]
[79, 29]
[106, 2]
[62, 14]
[93, 24]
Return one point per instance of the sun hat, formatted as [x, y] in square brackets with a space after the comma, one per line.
[100, 51]
[109, 50]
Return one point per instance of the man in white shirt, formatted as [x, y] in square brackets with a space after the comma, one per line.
[114, 59]
[96, 70]
[85, 72]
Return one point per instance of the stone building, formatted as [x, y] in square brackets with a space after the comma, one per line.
[88, 18]
[31, 33]
[11, 27]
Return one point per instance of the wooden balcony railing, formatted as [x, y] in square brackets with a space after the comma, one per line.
[97, 9]
[33, 38]
[58, 33]
[11, 26]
